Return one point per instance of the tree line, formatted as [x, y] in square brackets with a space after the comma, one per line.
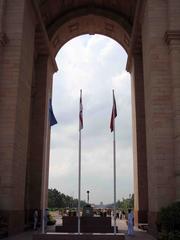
[57, 199]
[124, 204]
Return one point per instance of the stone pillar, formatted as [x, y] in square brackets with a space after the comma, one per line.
[139, 140]
[39, 134]
[158, 109]
[172, 37]
[15, 91]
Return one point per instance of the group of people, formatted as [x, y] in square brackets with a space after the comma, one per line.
[120, 215]
[130, 220]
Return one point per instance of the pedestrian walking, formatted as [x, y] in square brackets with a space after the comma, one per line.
[46, 217]
[35, 218]
[130, 222]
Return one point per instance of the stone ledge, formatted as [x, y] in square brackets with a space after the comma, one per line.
[171, 35]
[76, 236]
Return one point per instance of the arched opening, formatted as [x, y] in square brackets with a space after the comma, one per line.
[96, 64]
[103, 22]
[76, 26]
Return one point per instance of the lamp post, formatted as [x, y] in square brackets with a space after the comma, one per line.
[87, 196]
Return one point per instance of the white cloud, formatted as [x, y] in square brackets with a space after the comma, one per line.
[95, 64]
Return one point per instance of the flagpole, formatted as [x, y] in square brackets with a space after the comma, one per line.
[79, 177]
[79, 185]
[114, 161]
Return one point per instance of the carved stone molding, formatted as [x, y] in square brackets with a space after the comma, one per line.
[136, 49]
[3, 39]
[171, 36]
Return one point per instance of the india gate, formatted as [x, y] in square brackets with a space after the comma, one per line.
[31, 34]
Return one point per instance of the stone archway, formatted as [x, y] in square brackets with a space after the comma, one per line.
[30, 34]
[91, 23]
[91, 20]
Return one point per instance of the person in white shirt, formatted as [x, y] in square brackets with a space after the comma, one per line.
[35, 216]
[46, 216]
[130, 222]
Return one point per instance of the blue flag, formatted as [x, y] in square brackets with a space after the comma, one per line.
[52, 119]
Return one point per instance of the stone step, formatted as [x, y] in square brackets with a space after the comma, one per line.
[84, 236]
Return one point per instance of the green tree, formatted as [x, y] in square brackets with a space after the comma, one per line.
[126, 203]
[54, 198]
[57, 199]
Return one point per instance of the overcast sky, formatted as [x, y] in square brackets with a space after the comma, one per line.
[95, 64]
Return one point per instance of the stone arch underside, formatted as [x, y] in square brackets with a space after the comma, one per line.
[66, 28]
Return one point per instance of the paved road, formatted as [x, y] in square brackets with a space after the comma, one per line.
[138, 234]
[122, 226]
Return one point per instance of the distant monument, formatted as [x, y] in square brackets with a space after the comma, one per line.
[87, 209]
[88, 196]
